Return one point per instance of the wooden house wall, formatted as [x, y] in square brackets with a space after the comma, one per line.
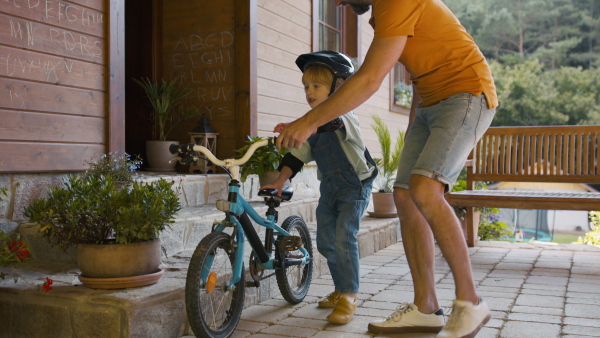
[53, 88]
[283, 33]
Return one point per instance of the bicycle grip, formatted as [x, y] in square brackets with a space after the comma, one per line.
[181, 148]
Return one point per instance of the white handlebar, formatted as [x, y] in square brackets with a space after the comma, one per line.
[228, 163]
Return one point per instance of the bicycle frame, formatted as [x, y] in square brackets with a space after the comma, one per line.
[237, 210]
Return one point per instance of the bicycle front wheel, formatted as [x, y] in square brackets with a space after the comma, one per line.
[294, 280]
[213, 310]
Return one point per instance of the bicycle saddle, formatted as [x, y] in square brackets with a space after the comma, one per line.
[286, 193]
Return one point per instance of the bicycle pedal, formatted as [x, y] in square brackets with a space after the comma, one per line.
[290, 243]
[252, 284]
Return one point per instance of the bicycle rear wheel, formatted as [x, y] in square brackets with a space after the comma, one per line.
[294, 280]
[212, 310]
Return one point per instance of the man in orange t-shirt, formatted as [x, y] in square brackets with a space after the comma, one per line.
[453, 105]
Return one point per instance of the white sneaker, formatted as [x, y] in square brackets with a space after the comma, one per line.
[408, 319]
[466, 319]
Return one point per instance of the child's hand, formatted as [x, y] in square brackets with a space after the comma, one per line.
[279, 128]
[274, 185]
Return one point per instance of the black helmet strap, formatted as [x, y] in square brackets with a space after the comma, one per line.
[335, 78]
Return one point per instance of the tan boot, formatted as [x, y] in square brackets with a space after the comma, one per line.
[330, 301]
[343, 312]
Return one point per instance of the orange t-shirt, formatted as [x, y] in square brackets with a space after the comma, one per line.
[441, 57]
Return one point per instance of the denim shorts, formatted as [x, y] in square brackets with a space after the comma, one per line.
[441, 138]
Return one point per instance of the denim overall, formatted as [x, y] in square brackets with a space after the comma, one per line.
[344, 199]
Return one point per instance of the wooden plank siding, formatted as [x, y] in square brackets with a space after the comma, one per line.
[54, 92]
[284, 32]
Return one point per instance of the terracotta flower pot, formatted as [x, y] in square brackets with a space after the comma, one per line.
[383, 205]
[159, 156]
[118, 260]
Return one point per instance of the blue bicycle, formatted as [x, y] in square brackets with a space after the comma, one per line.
[215, 284]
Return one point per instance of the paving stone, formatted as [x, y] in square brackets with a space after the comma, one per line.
[281, 330]
[538, 318]
[304, 322]
[537, 310]
[587, 322]
[534, 300]
[513, 329]
[250, 326]
[358, 325]
[582, 310]
[265, 314]
[581, 330]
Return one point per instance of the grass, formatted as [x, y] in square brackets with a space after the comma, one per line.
[564, 238]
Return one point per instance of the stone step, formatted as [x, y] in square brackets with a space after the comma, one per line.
[158, 310]
[190, 225]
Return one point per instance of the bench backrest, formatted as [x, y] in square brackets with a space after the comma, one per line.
[538, 154]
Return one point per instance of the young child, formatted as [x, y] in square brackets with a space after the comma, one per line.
[346, 171]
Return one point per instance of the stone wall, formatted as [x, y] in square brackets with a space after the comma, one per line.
[194, 190]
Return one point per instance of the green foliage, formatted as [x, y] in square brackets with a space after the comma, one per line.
[490, 226]
[557, 32]
[120, 166]
[390, 159]
[166, 99]
[3, 192]
[94, 208]
[530, 96]
[263, 160]
[592, 237]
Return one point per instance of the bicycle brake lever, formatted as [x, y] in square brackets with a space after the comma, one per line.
[189, 158]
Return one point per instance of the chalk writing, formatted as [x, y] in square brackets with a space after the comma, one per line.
[204, 63]
[195, 42]
[50, 69]
[75, 42]
[62, 11]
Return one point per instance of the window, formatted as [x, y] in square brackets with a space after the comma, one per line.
[335, 28]
[401, 90]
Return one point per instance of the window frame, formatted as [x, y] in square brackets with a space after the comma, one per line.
[350, 30]
[406, 79]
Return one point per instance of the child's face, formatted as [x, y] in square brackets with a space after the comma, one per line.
[315, 93]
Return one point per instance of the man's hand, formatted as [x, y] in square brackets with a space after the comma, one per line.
[279, 127]
[294, 134]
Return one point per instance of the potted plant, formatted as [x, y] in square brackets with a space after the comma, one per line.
[264, 162]
[115, 228]
[166, 99]
[383, 198]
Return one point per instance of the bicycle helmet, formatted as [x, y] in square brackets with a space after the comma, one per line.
[338, 63]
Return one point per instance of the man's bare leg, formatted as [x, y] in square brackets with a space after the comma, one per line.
[428, 195]
[419, 248]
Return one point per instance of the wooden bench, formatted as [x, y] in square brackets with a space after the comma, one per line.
[567, 154]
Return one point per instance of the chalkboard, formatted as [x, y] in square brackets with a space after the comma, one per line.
[201, 47]
[53, 86]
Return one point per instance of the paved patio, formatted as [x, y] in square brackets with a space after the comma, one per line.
[534, 290]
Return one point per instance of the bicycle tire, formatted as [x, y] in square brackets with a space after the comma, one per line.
[294, 281]
[213, 314]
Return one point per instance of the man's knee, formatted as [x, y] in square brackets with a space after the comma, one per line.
[424, 190]
[401, 195]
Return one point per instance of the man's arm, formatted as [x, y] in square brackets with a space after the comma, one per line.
[381, 57]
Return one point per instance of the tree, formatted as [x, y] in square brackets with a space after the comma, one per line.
[557, 32]
[530, 96]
